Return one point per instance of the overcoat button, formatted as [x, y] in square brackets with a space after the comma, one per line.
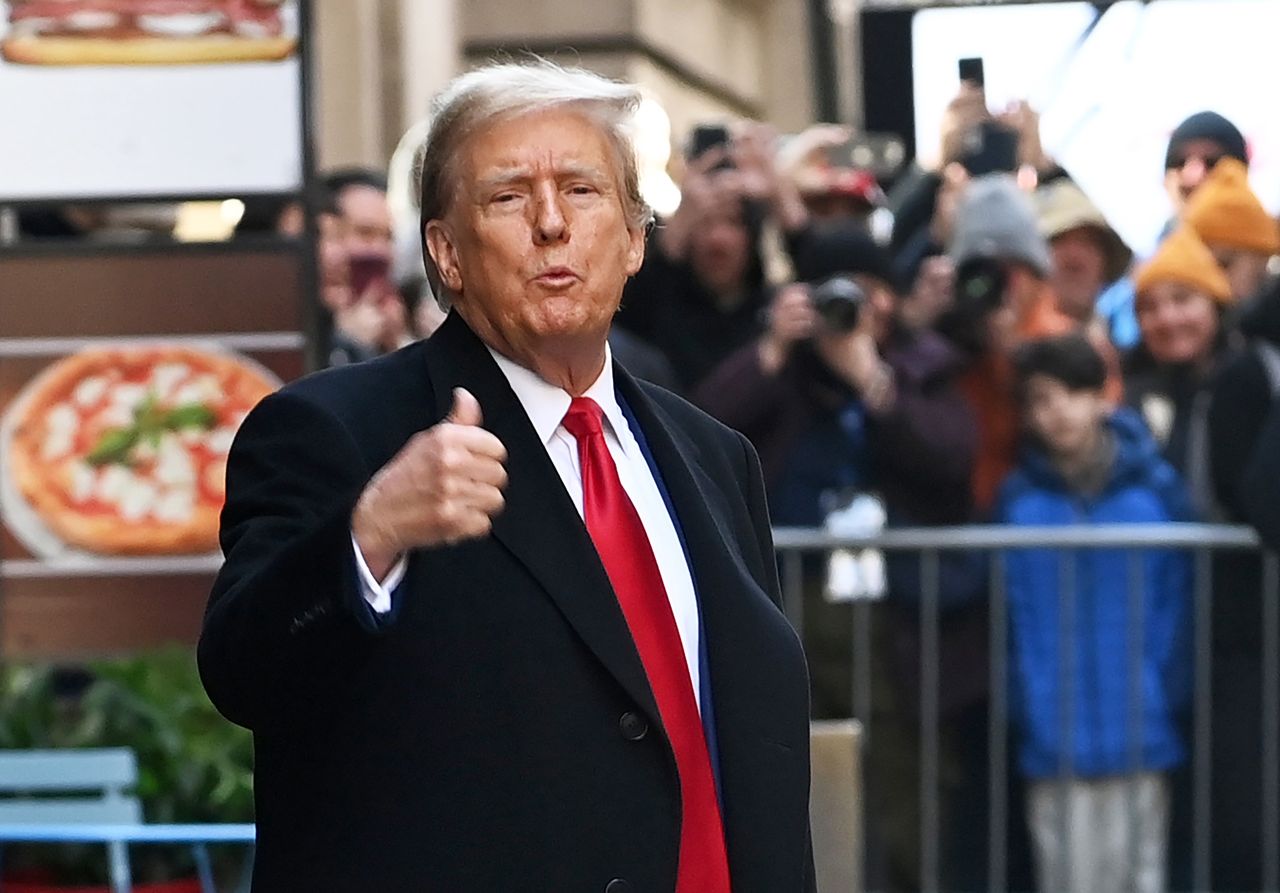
[618, 885]
[633, 726]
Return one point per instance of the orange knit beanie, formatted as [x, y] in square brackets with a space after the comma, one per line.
[1225, 212]
[1185, 259]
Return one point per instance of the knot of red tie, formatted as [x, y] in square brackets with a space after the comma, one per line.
[583, 418]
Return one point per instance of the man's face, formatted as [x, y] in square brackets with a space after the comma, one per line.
[1066, 421]
[1024, 291]
[331, 251]
[535, 246]
[368, 222]
[1079, 271]
[1191, 164]
[720, 246]
[1178, 323]
[1246, 270]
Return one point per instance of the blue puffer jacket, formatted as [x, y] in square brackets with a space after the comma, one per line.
[1098, 619]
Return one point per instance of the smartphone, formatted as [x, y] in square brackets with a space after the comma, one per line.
[990, 148]
[971, 71]
[881, 154]
[706, 137]
[367, 269]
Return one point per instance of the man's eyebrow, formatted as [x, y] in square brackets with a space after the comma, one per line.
[508, 175]
[503, 176]
[584, 171]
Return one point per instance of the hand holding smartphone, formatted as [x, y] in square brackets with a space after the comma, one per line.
[706, 137]
[990, 147]
[971, 72]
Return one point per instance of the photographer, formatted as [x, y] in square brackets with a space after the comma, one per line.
[841, 397]
[699, 295]
[837, 396]
[973, 141]
[1002, 299]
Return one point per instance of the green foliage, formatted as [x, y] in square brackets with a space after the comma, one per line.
[193, 765]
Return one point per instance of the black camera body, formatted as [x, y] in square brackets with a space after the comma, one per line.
[981, 283]
[838, 301]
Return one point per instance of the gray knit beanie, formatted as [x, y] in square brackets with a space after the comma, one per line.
[996, 220]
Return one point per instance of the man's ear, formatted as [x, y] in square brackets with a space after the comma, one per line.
[635, 250]
[443, 253]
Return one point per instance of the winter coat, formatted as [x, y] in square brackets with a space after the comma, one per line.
[988, 385]
[1244, 453]
[1097, 619]
[668, 306]
[815, 438]
[1174, 401]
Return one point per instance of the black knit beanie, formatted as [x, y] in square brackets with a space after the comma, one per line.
[1206, 126]
[833, 247]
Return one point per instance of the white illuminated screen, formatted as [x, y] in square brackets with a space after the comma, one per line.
[150, 130]
[1108, 101]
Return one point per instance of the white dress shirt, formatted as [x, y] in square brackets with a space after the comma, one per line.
[546, 405]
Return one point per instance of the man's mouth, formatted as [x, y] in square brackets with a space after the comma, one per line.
[557, 277]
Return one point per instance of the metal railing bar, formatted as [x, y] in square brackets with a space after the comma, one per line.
[1270, 722]
[977, 537]
[1067, 571]
[1136, 645]
[929, 781]
[997, 729]
[861, 665]
[1202, 756]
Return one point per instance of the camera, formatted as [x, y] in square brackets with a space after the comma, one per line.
[838, 302]
[979, 292]
[980, 284]
[706, 137]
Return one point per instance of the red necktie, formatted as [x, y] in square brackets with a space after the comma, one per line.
[628, 559]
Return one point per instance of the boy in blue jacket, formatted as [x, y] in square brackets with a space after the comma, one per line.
[1099, 671]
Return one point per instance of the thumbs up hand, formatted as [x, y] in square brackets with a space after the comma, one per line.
[443, 487]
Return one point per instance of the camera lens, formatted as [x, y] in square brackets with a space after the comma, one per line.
[838, 302]
[980, 284]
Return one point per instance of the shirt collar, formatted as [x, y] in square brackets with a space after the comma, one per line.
[545, 404]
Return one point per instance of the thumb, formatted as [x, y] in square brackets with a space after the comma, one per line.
[466, 409]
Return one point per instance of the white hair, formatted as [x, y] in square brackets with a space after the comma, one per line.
[479, 98]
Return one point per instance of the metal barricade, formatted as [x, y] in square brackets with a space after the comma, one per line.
[796, 549]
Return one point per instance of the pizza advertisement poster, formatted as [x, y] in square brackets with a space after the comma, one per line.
[150, 98]
[120, 449]
[124, 377]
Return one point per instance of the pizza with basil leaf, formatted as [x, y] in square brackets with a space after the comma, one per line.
[123, 450]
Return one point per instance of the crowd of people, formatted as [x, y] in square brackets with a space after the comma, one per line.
[997, 355]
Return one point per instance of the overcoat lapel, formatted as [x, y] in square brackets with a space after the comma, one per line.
[720, 575]
[539, 524]
[725, 592]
